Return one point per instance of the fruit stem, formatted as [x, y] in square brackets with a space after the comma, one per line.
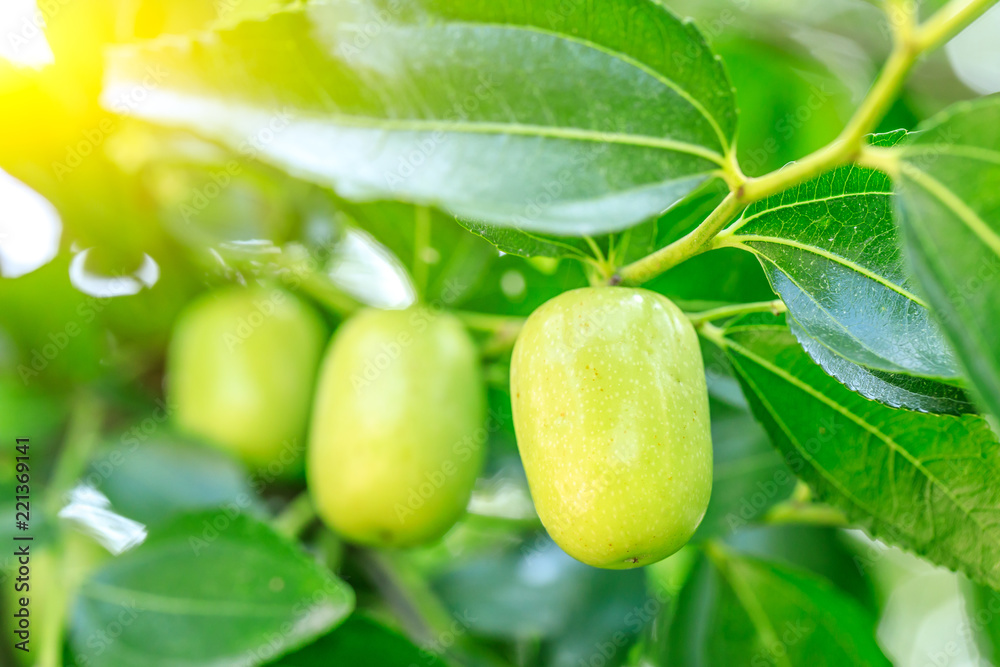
[712, 333]
[792, 512]
[82, 435]
[489, 322]
[948, 22]
[689, 245]
[884, 159]
[297, 271]
[775, 307]
[421, 248]
[909, 43]
[297, 515]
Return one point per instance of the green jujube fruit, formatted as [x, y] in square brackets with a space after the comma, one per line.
[611, 416]
[241, 369]
[399, 427]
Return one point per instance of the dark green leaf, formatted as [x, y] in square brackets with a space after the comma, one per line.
[893, 389]
[547, 116]
[831, 250]
[206, 589]
[923, 482]
[738, 611]
[950, 209]
[361, 641]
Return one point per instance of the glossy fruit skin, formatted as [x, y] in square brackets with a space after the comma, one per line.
[398, 435]
[612, 422]
[241, 369]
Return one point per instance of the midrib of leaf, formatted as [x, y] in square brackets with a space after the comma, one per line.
[952, 201]
[801, 202]
[595, 136]
[972, 335]
[555, 242]
[820, 306]
[833, 481]
[890, 442]
[516, 129]
[178, 606]
[755, 611]
[807, 602]
[519, 129]
[980, 153]
[836, 259]
[625, 58]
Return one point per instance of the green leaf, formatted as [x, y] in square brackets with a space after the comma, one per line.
[529, 244]
[624, 247]
[831, 250]
[546, 116]
[738, 611]
[923, 482]
[949, 205]
[983, 611]
[456, 262]
[821, 550]
[361, 641]
[155, 480]
[538, 592]
[206, 589]
[749, 475]
[893, 389]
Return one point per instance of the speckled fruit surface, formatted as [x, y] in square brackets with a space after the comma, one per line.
[241, 370]
[398, 432]
[612, 422]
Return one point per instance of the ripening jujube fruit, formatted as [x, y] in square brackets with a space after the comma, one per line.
[241, 370]
[397, 439]
[611, 415]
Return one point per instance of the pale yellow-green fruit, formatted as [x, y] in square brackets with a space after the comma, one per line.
[241, 370]
[612, 422]
[399, 431]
